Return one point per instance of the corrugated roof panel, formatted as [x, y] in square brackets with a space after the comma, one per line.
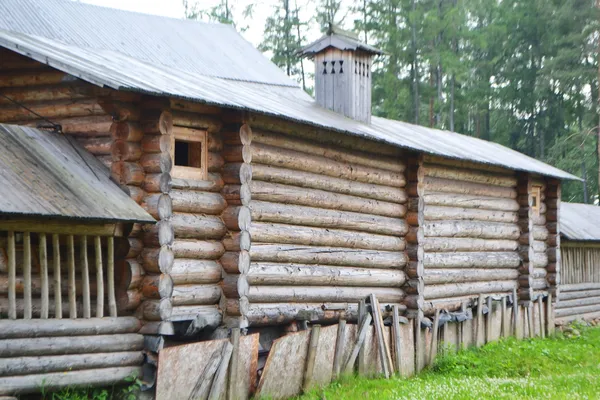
[124, 68]
[195, 47]
[580, 221]
[48, 174]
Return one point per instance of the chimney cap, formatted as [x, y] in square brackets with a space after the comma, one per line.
[340, 39]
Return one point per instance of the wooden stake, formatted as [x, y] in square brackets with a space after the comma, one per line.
[99, 279]
[362, 359]
[480, 338]
[541, 315]
[233, 365]
[418, 345]
[381, 345]
[397, 340]
[529, 312]
[339, 348]
[27, 275]
[311, 357]
[505, 331]
[434, 337]
[71, 277]
[85, 278]
[12, 277]
[488, 321]
[549, 316]
[219, 382]
[112, 302]
[515, 313]
[44, 276]
[57, 280]
[362, 334]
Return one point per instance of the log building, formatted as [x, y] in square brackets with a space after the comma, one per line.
[270, 207]
[579, 296]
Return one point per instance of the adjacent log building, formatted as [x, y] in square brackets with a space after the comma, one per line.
[270, 207]
[580, 272]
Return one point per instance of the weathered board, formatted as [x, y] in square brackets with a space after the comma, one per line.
[323, 370]
[247, 366]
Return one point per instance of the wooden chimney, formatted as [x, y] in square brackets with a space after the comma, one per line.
[343, 73]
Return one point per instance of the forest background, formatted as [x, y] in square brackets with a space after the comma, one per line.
[522, 73]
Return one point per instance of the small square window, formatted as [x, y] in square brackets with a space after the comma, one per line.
[189, 152]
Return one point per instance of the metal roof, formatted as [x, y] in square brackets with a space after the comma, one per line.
[120, 67]
[338, 39]
[47, 174]
[580, 221]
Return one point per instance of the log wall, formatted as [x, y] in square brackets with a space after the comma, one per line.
[468, 237]
[320, 226]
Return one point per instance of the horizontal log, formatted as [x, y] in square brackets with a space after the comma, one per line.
[13, 329]
[189, 271]
[468, 288]
[36, 307]
[235, 262]
[539, 246]
[72, 362]
[157, 144]
[438, 213]
[576, 287]
[159, 234]
[445, 275]
[583, 294]
[156, 163]
[261, 273]
[159, 205]
[197, 249]
[274, 174]
[204, 317]
[295, 160]
[468, 175]
[238, 173]
[215, 162]
[466, 201]
[193, 120]
[467, 244]
[158, 259]
[193, 107]
[564, 304]
[194, 226]
[157, 183]
[295, 294]
[322, 135]
[136, 193]
[310, 216]
[36, 284]
[540, 232]
[127, 131]
[468, 165]
[54, 381]
[47, 93]
[98, 146]
[471, 229]
[157, 310]
[156, 287]
[135, 248]
[540, 260]
[236, 241]
[269, 314]
[438, 185]
[293, 234]
[96, 125]
[213, 183]
[279, 253]
[483, 260]
[184, 295]
[565, 312]
[128, 300]
[277, 193]
[52, 110]
[71, 345]
[126, 151]
[197, 202]
[120, 110]
[157, 122]
[32, 78]
[127, 173]
[333, 153]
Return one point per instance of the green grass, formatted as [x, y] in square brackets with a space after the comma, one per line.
[561, 367]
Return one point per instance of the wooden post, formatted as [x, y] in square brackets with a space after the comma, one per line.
[57, 280]
[339, 348]
[99, 279]
[362, 360]
[529, 312]
[27, 312]
[310, 358]
[419, 350]
[112, 302]
[362, 334]
[85, 278]
[71, 277]
[381, 345]
[515, 313]
[397, 342]
[434, 337]
[541, 313]
[233, 365]
[505, 330]
[480, 338]
[12, 277]
[44, 276]
[488, 321]
[549, 316]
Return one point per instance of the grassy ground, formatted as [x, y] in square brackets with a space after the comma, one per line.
[562, 367]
